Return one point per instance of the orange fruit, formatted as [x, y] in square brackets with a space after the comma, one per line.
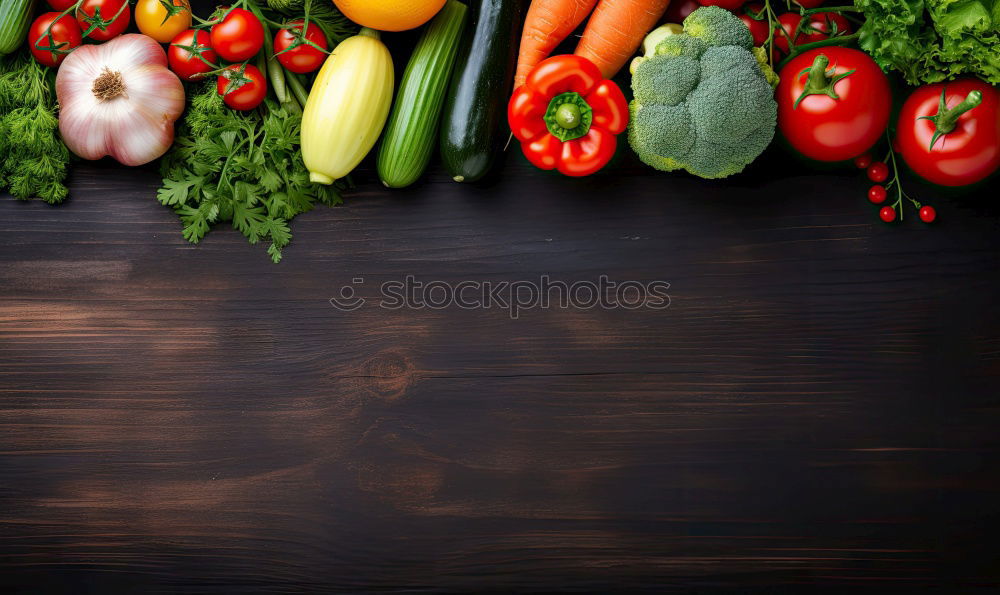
[389, 15]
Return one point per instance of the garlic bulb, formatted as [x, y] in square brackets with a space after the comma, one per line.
[119, 99]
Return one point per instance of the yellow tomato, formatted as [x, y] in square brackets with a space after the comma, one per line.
[153, 19]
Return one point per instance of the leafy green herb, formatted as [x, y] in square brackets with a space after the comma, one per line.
[242, 167]
[32, 157]
[933, 40]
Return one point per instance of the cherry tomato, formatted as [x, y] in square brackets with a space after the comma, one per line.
[244, 94]
[678, 10]
[65, 36]
[876, 194]
[957, 145]
[105, 14]
[827, 24]
[927, 214]
[863, 160]
[758, 27]
[61, 5]
[238, 36]
[787, 28]
[887, 214]
[182, 55]
[839, 125]
[878, 172]
[161, 23]
[730, 5]
[304, 57]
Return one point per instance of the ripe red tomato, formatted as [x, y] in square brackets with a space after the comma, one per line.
[731, 5]
[678, 10]
[955, 147]
[927, 214]
[877, 194]
[809, 3]
[827, 24]
[61, 5]
[787, 28]
[65, 36]
[758, 27]
[827, 112]
[304, 57]
[105, 14]
[238, 36]
[887, 214]
[184, 51]
[242, 86]
[878, 172]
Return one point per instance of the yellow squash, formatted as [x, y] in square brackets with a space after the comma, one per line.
[347, 107]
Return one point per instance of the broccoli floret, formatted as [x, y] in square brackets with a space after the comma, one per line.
[717, 26]
[702, 101]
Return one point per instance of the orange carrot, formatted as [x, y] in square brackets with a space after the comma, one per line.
[615, 31]
[547, 24]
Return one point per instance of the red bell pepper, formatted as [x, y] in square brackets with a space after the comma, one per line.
[567, 116]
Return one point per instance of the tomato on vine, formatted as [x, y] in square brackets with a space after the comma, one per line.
[242, 86]
[787, 28]
[61, 5]
[949, 133]
[190, 56]
[755, 18]
[238, 36]
[65, 36]
[294, 53]
[877, 194]
[878, 172]
[162, 19]
[106, 19]
[823, 25]
[833, 103]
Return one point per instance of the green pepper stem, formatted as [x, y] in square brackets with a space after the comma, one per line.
[568, 116]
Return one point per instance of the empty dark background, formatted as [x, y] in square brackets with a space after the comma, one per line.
[816, 410]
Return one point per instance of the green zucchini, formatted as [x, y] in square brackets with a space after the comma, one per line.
[412, 130]
[474, 125]
[15, 15]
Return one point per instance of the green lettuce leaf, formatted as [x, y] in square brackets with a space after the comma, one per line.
[932, 41]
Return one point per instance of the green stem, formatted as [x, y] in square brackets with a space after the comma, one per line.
[297, 89]
[946, 119]
[805, 47]
[806, 13]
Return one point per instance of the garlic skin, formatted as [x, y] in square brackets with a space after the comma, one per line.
[119, 99]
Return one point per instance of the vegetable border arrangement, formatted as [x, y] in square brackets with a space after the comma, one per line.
[263, 108]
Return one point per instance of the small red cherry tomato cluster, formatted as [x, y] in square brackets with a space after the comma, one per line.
[53, 35]
[878, 172]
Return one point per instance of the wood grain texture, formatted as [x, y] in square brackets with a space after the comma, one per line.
[817, 408]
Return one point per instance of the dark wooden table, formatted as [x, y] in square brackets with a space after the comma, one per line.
[817, 408]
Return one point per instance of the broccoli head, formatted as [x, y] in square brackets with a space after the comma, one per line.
[703, 101]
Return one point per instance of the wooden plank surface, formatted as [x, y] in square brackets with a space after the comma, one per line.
[818, 406]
